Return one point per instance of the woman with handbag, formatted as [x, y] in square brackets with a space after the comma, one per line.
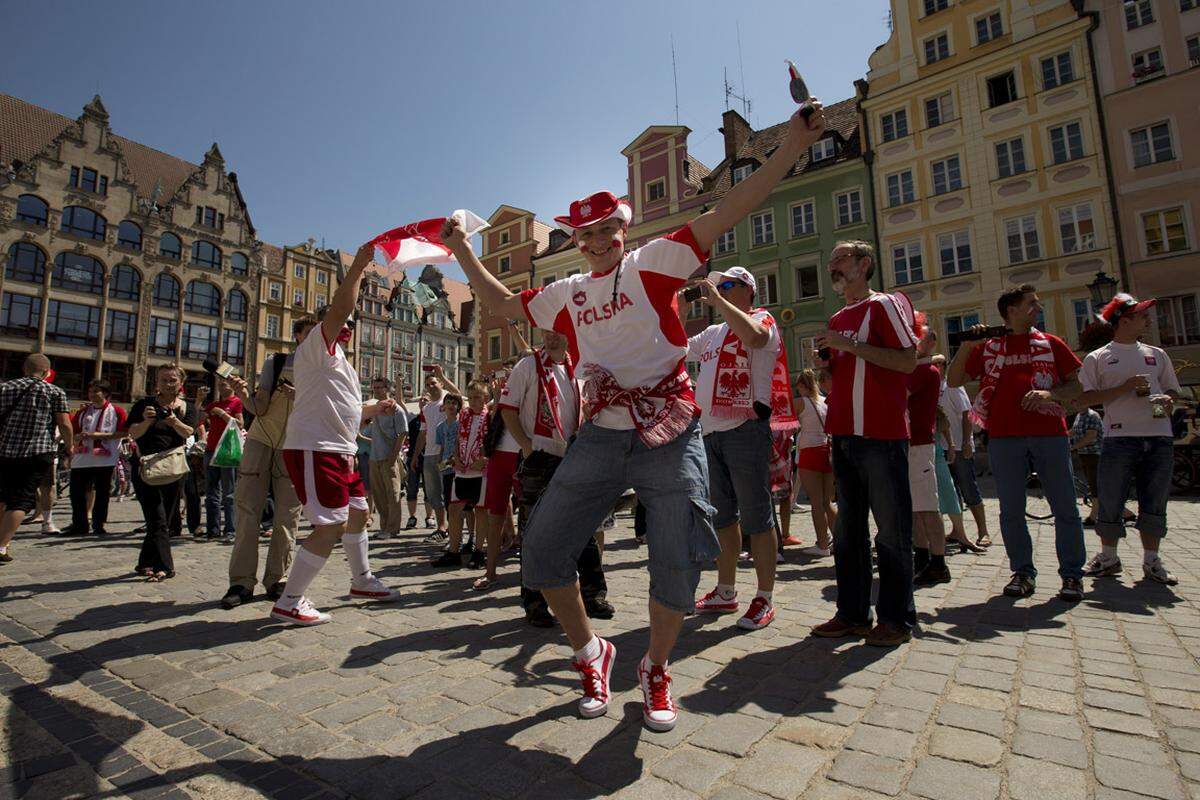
[160, 426]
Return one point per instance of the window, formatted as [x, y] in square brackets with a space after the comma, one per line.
[321, 301]
[32, 209]
[1010, 158]
[163, 333]
[1085, 313]
[1138, 13]
[1151, 144]
[823, 150]
[740, 173]
[89, 180]
[209, 217]
[933, 6]
[988, 27]
[1193, 51]
[273, 326]
[20, 315]
[804, 218]
[84, 222]
[726, 242]
[25, 262]
[166, 291]
[1178, 322]
[957, 324]
[236, 306]
[77, 273]
[297, 297]
[72, 323]
[169, 246]
[656, 191]
[125, 283]
[199, 341]
[1001, 89]
[900, 188]
[441, 352]
[768, 288]
[202, 297]
[939, 109]
[1147, 64]
[298, 271]
[275, 292]
[493, 347]
[849, 207]
[695, 310]
[504, 238]
[206, 255]
[895, 125]
[235, 347]
[129, 235]
[120, 330]
[808, 281]
[505, 264]
[954, 252]
[1022, 237]
[937, 48]
[239, 265]
[762, 228]
[1057, 70]
[947, 175]
[1165, 232]
[1188, 5]
[1076, 228]
[906, 263]
[322, 278]
[1066, 142]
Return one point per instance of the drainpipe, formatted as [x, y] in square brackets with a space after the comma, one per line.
[868, 156]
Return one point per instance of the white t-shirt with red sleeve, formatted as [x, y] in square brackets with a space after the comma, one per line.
[327, 408]
[866, 399]
[1112, 365]
[705, 347]
[637, 336]
[521, 394]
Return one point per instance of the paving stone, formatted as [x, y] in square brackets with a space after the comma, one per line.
[694, 769]
[969, 746]
[972, 719]
[1119, 773]
[1047, 700]
[1031, 779]
[940, 779]
[1050, 724]
[779, 769]
[1054, 749]
[891, 743]
[1116, 701]
[1187, 739]
[1133, 748]
[885, 716]
[733, 734]
[867, 771]
[1122, 723]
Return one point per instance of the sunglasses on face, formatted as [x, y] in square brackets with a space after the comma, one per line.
[725, 286]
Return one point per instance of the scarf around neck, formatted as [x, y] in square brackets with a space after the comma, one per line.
[470, 439]
[995, 353]
[547, 421]
[732, 396]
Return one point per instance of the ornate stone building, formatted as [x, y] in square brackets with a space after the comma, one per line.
[118, 257]
[295, 282]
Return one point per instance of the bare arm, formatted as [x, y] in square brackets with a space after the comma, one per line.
[887, 357]
[448, 384]
[752, 333]
[512, 424]
[1089, 436]
[490, 291]
[346, 296]
[956, 373]
[1100, 396]
[65, 430]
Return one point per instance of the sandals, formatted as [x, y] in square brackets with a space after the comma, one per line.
[983, 541]
[965, 546]
[483, 584]
[159, 576]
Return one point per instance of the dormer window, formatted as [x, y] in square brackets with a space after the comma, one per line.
[741, 173]
[822, 150]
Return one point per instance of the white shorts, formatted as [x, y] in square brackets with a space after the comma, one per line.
[327, 484]
[922, 477]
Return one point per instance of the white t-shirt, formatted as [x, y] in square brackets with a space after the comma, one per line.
[638, 338]
[812, 423]
[1112, 365]
[953, 403]
[327, 409]
[433, 415]
[705, 347]
[521, 393]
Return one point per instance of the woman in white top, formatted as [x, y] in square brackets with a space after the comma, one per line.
[813, 465]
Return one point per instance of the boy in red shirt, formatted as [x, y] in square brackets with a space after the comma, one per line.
[218, 502]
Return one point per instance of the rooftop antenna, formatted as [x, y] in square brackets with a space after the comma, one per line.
[675, 76]
[742, 72]
[729, 92]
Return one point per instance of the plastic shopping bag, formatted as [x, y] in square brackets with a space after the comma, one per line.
[229, 448]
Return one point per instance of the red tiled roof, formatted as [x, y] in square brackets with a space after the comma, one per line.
[697, 172]
[272, 257]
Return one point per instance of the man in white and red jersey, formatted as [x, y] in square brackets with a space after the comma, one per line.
[623, 331]
[737, 359]
[319, 452]
[869, 350]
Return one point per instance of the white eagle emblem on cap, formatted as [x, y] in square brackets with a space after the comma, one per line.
[585, 209]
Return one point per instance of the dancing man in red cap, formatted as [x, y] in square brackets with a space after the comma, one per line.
[623, 331]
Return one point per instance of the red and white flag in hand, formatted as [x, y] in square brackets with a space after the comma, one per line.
[421, 242]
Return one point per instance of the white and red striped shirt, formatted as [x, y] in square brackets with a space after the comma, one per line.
[638, 336]
[869, 400]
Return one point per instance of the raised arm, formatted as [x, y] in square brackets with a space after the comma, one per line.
[752, 332]
[346, 296]
[490, 291]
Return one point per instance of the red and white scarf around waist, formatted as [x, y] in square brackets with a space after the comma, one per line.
[656, 426]
[472, 430]
[97, 420]
[1045, 373]
[732, 396]
[548, 421]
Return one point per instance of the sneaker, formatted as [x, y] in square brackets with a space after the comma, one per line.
[430, 522]
[1157, 572]
[594, 676]
[305, 613]
[198, 532]
[447, 560]
[838, 628]
[714, 603]
[658, 707]
[227, 538]
[1071, 591]
[779, 557]
[758, 615]
[599, 608]
[885, 635]
[373, 589]
[436, 536]
[1102, 565]
[411, 524]
[1019, 586]
[6, 557]
[815, 551]
[236, 596]
[932, 575]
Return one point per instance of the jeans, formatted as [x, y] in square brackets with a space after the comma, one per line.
[872, 477]
[218, 501]
[738, 473]
[1010, 457]
[99, 480]
[1146, 462]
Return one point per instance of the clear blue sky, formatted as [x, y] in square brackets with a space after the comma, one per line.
[345, 119]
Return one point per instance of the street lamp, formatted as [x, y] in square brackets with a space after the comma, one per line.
[1103, 288]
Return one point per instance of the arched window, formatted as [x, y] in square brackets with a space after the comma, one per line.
[235, 306]
[129, 234]
[26, 262]
[169, 246]
[32, 209]
[202, 298]
[77, 273]
[125, 283]
[84, 222]
[166, 291]
[206, 255]
[238, 264]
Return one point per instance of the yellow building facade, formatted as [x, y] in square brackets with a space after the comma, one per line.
[296, 281]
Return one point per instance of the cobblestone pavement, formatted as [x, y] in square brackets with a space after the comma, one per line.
[115, 687]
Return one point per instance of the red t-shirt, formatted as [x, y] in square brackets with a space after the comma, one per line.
[216, 424]
[924, 390]
[1005, 416]
[869, 400]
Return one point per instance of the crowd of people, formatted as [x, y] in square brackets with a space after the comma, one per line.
[605, 408]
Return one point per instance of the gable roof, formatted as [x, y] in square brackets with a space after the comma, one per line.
[272, 257]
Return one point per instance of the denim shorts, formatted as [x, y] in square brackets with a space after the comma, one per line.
[1145, 463]
[739, 481]
[671, 481]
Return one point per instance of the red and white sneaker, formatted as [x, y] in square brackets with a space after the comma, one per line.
[594, 675]
[658, 707]
[758, 615]
[373, 589]
[305, 613]
[714, 603]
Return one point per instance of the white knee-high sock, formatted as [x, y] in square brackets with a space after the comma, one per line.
[304, 569]
[355, 546]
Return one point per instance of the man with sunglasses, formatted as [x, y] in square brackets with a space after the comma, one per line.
[737, 360]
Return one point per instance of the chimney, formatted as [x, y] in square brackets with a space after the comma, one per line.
[736, 131]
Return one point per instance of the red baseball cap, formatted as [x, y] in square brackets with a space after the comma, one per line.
[1123, 304]
[593, 210]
